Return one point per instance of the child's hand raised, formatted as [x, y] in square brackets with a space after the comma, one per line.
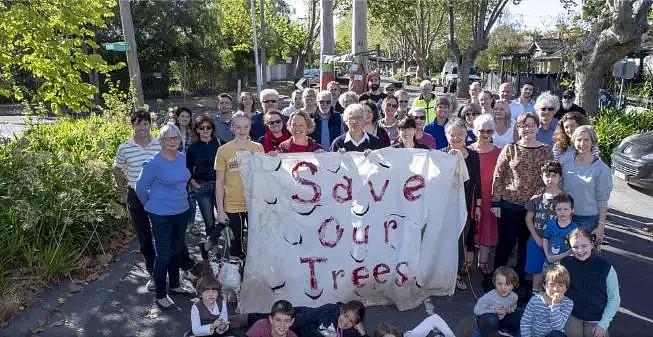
[501, 312]
[361, 329]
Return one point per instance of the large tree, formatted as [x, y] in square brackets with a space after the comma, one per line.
[482, 14]
[48, 50]
[616, 30]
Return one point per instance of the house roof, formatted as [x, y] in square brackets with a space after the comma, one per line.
[548, 46]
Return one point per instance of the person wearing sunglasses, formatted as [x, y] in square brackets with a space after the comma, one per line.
[546, 106]
[269, 100]
[276, 131]
[402, 99]
[568, 104]
[200, 158]
[389, 122]
[328, 124]
[420, 136]
[488, 153]
[504, 132]
[469, 112]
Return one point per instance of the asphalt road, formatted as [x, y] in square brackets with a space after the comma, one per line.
[119, 305]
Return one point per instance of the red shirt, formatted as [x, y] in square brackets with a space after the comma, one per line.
[262, 329]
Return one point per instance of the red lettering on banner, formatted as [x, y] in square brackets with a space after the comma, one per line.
[389, 224]
[345, 186]
[403, 277]
[379, 197]
[412, 185]
[311, 267]
[321, 232]
[359, 274]
[335, 274]
[317, 191]
[380, 269]
[366, 236]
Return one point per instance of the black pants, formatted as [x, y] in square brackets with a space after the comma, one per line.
[238, 224]
[490, 323]
[512, 229]
[141, 223]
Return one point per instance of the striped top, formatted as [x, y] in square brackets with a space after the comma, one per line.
[540, 318]
[132, 156]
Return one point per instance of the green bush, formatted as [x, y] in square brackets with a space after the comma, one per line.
[399, 76]
[613, 125]
[416, 80]
[57, 196]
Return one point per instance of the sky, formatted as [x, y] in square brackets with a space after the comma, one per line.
[530, 14]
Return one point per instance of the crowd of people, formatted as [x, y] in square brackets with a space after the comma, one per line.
[535, 182]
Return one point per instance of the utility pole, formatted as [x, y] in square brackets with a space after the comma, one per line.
[326, 70]
[258, 73]
[264, 60]
[359, 26]
[132, 52]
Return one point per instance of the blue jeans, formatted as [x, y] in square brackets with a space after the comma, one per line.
[169, 234]
[205, 196]
[589, 222]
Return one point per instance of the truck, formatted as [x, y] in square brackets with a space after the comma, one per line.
[449, 76]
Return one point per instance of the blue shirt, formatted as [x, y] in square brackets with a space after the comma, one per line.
[546, 136]
[437, 131]
[162, 185]
[558, 236]
[325, 140]
[530, 107]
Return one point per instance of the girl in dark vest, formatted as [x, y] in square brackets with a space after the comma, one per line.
[594, 288]
[209, 315]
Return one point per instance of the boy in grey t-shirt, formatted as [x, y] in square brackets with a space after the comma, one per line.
[540, 210]
[492, 309]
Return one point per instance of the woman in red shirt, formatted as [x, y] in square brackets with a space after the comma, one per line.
[300, 126]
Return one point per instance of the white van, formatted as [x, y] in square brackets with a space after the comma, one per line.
[449, 76]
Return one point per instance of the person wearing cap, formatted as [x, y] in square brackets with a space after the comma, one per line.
[436, 127]
[426, 100]
[373, 86]
[568, 104]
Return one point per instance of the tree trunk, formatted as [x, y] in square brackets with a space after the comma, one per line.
[463, 76]
[616, 33]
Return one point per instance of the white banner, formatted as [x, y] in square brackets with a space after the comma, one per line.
[334, 227]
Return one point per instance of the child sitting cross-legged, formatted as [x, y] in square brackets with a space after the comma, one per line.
[494, 310]
[282, 317]
[208, 315]
[547, 312]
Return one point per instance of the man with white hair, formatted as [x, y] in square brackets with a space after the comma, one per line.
[356, 139]
[546, 105]
[426, 100]
[516, 109]
[328, 124]
[269, 101]
[475, 89]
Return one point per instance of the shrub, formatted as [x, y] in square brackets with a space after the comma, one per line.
[613, 125]
[416, 80]
[399, 76]
[58, 203]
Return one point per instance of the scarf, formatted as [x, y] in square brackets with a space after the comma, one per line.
[270, 142]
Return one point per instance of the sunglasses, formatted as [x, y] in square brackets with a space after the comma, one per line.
[420, 117]
[402, 101]
[547, 108]
[205, 128]
[278, 121]
[270, 101]
[486, 132]
[391, 105]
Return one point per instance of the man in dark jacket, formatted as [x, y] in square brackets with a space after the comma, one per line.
[328, 124]
[568, 104]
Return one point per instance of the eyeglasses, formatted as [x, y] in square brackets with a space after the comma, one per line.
[325, 102]
[402, 101]
[205, 127]
[567, 97]
[269, 101]
[527, 126]
[486, 132]
[172, 139]
[420, 117]
[472, 114]
[391, 105]
[278, 121]
[547, 108]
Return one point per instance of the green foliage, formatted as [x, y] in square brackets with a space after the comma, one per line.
[504, 39]
[399, 76]
[49, 45]
[416, 80]
[57, 195]
[613, 125]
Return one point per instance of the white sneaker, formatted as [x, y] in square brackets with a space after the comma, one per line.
[150, 284]
[504, 333]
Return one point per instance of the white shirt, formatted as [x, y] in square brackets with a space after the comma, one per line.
[207, 329]
[507, 138]
[357, 143]
[132, 156]
[516, 110]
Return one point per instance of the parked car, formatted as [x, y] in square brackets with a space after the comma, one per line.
[312, 76]
[449, 76]
[412, 72]
[632, 160]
